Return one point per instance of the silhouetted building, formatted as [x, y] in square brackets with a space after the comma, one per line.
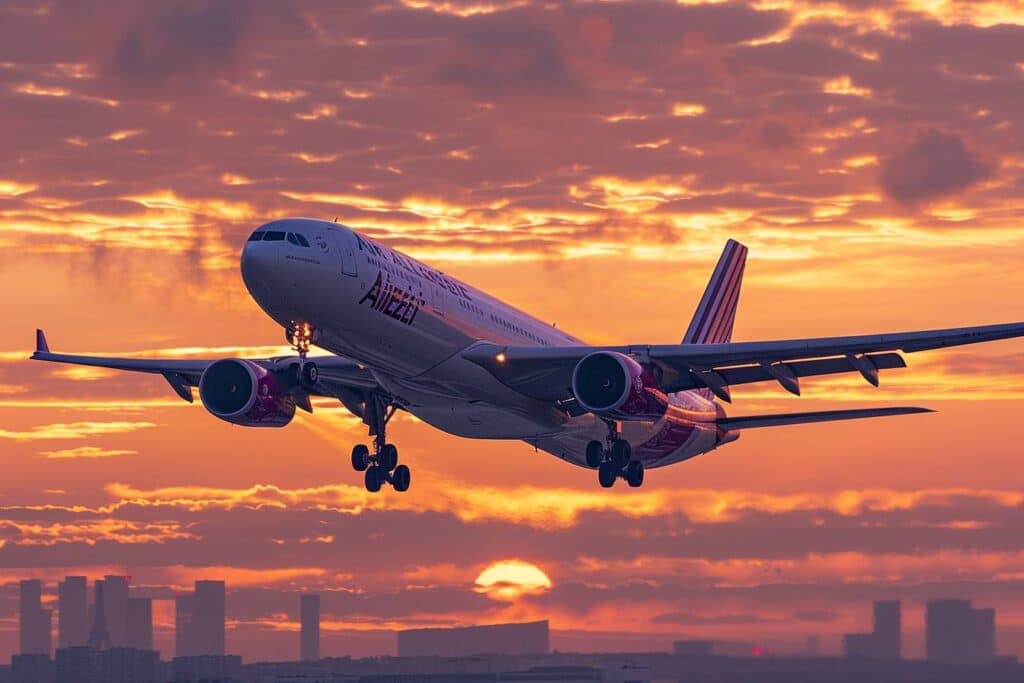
[139, 624]
[206, 668]
[209, 615]
[34, 622]
[309, 616]
[78, 664]
[116, 665]
[859, 645]
[130, 665]
[693, 648]
[888, 629]
[885, 639]
[32, 668]
[115, 604]
[722, 648]
[528, 638]
[73, 612]
[99, 636]
[956, 632]
[183, 626]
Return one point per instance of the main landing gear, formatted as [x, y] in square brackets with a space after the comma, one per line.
[613, 459]
[381, 466]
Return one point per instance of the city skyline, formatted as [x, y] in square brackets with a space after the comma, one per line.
[584, 161]
[953, 630]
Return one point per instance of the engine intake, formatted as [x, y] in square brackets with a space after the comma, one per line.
[244, 393]
[614, 385]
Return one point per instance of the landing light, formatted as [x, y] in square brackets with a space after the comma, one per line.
[500, 357]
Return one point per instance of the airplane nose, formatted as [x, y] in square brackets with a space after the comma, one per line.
[258, 261]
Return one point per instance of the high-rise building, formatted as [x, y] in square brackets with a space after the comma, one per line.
[34, 622]
[183, 626]
[309, 615]
[957, 632]
[99, 636]
[72, 612]
[885, 639]
[888, 629]
[208, 618]
[139, 624]
[115, 596]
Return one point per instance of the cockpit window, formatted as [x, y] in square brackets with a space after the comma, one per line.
[256, 237]
[302, 240]
[297, 239]
[292, 239]
[273, 236]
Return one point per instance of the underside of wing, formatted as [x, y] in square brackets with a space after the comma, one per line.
[545, 373]
[782, 419]
[337, 377]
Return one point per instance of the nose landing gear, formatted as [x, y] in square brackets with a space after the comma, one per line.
[381, 466]
[300, 336]
[614, 459]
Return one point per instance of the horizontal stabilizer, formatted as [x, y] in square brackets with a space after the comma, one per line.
[755, 421]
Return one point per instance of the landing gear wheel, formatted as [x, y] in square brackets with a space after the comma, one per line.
[635, 473]
[360, 458]
[593, 454]
[400, 478]
[373, 479]
[387, 459]
[607, 474]
[621, 453]
[310, 374]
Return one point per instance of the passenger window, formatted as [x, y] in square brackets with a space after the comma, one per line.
[273, 236]
[256, 237]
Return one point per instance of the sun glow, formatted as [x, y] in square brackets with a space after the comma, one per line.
[509, 580]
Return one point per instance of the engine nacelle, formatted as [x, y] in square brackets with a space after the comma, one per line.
[244, 393]
[614, 385]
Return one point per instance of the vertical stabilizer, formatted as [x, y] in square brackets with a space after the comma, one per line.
[713, 321]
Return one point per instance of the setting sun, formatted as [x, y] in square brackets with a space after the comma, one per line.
[511, 579]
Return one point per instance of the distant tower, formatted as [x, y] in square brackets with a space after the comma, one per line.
[309, 614]
[115, 605]
[207, 627]
[73, 612]
[99, 637]
[34, 623]
[139, 631]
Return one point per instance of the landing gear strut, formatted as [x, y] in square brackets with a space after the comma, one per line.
[301, 337]
[381, 465]
[613, 459]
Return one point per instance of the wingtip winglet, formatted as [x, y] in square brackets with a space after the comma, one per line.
[41, 345]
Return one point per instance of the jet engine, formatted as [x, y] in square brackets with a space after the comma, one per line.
[244, 393]
[615, 386]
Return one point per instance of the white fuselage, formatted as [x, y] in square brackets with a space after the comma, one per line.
[409, 323]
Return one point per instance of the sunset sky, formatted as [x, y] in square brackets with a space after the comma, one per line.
[585, 161]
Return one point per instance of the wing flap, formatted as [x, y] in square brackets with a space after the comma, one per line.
[778, 420]
[747, 374]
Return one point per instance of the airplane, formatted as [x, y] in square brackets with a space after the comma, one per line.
[405, 336]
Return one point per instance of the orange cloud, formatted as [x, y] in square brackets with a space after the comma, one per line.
[86, 452]
[74, 430]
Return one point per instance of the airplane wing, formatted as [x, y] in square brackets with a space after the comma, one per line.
[545, 372]
[338, 377]
[778, 420]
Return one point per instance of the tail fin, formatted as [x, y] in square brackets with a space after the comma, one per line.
[713, 321]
